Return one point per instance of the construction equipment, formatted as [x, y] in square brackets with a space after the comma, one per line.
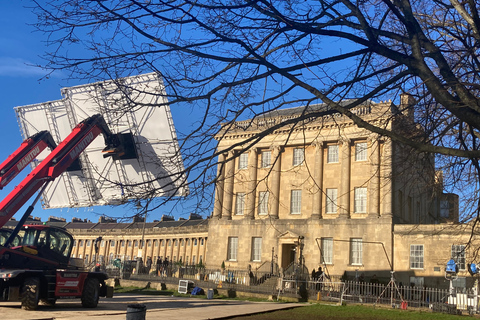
[35, 263]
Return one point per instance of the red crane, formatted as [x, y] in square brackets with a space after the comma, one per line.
[35, 261]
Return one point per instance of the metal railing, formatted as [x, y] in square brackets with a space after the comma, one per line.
[307, 288]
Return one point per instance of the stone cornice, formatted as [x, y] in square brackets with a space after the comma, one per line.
[235, 134]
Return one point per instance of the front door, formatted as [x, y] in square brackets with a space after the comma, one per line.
[288, 255]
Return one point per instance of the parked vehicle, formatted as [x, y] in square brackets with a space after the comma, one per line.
[35, 263]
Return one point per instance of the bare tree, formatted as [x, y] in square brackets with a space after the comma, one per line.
[229, 60]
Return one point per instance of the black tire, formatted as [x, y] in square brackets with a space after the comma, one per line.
[30, 293]
[91, 293]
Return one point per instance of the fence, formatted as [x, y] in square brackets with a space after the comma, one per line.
[303, 287]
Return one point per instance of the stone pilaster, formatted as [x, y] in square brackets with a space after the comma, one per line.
[317, 181]
[386, 186]
[373, 196]
[218, 205]
[228, 186]
[274, 180]
[252, 183]
[344, 195]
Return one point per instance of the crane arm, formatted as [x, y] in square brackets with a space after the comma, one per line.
[57, 162]
[26, 153]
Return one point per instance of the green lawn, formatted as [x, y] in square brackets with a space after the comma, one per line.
[334, 312]
[316, 311]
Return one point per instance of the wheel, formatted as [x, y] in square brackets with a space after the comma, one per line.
[30, 293]
[91, 293]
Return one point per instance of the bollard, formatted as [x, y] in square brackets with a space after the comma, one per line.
[136, 312]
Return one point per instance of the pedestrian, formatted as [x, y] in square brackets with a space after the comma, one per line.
[149, 264]
[159, 266]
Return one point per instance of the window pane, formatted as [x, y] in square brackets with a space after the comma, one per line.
[298, 156]
[356, 251]
[416, 256]
[243, 161]
[263, 202]
[360, 200]
[266, 159]
[444, 209]
[240, 203]
[232, 248]
[331, 200]
[256, 249]
[361, 151]
[327, 250]
[458, 254]
[332, 154]
[296, 202]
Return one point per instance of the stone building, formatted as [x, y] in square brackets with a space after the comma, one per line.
[421, 253]
[183, 240]
[174, 240]
[323, 191]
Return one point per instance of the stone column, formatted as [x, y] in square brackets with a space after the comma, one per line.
[219, 183]
[191, 249]
[317, 180]
[91, 252]
[108, 246]
[158, 248]
[204, 250]
[84, 249]
[164, 250]
[197, 253]
[274, 181]
[344, 195]
[373, 196]
[74, 252]
[171, 249]
[386, 186]
[152, 248]
[228, 187]
[252, 183]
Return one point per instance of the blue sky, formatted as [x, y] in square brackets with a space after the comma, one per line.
[20, 85]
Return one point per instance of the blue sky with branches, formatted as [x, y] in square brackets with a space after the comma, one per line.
[22, 83]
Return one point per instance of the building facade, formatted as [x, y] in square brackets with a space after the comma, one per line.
[322, 191]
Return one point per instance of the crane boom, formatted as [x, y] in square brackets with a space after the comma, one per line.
[56, 162]
[26, 153]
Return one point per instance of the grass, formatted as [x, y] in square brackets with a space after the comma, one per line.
[139, 290]
[151, 291]
[312, 311]
[334, 312]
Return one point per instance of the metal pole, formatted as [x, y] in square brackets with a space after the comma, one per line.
[271, 265]
[392, 281]
[141, 246]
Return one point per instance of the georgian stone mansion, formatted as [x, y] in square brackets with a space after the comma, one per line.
[322, 192]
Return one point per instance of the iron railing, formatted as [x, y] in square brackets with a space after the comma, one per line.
[297, 284]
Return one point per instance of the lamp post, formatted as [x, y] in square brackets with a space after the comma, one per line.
[273, 255]
[141, 245]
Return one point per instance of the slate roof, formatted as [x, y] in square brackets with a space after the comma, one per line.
[110, 226]
[310, 108]
[80, 225]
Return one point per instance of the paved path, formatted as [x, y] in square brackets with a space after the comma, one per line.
[158, 307]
